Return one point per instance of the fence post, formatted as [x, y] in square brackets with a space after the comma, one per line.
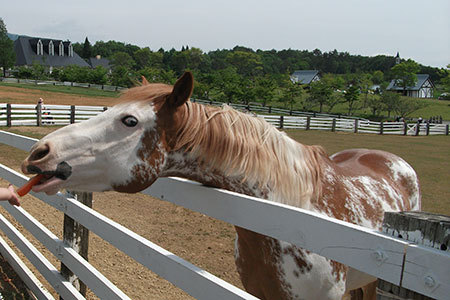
[39, 114]
[427, 229]
[308, 122]
[333, 125]
[405, 128]
[270, 109]
[281, 122]
[76, 236]
[8, 115]
[72, 114]
[417, 128]
[381, 127]
[105, 108]
[428, 128]
[446, 129]
[356, 125]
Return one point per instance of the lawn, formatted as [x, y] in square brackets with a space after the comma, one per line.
[81, 91]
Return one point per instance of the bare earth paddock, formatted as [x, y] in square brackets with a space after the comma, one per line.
[201, 240]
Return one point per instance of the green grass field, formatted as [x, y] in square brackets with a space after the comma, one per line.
[65, 89]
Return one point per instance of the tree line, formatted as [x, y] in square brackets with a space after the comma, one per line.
[244, 75]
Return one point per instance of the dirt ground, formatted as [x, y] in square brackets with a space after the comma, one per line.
[203, 241]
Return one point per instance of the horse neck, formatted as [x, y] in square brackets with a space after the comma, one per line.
[246, 155]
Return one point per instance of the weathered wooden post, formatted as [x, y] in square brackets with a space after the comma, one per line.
[281, 122]
[8, 115]
[333, 125]
[446, 129]
[381, 127]
[427, 229]
[39, 114]
[356, 125]
[428, 128]
[72, 114]
[76, 236]
[308, 122]
[405, 128]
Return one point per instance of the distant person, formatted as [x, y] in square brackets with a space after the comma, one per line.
[8, 194]
[419, 120]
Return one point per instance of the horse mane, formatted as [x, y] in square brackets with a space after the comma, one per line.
[239, 144]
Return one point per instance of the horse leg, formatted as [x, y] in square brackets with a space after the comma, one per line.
[370, 291]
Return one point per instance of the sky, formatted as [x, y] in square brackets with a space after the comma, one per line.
[418, 30]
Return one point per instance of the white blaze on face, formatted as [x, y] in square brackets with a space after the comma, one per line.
[103, 150]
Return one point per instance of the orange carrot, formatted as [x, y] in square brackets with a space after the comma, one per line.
[26, 188]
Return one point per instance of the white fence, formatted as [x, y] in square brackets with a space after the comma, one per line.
[28, 114]
[64, 83]
[354, 125]
[32, 115]
[372, 252]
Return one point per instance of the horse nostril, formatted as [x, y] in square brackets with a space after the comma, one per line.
[40, 153]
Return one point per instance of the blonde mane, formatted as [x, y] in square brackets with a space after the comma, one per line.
[242, 145]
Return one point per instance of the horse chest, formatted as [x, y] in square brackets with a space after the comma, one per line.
[272, 269]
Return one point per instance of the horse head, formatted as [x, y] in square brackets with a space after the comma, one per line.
[122, 149]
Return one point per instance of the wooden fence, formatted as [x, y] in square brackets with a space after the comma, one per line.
[104, 87]
[391, 259]
[28, 114]
[38, 115]
[355, 125]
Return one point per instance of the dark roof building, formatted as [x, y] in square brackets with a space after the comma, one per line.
[99, 61]
[48, 52]
[305, 76]
[423, 89]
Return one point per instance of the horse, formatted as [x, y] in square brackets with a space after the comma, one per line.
[156, 131]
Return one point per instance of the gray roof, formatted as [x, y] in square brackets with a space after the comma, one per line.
[25, 48]
[304, 76]
[95, 62]
[421, 79]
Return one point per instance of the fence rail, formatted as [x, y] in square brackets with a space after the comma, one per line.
[366, 250]
[104, 87]
[29, 114]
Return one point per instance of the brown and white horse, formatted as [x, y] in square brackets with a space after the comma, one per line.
[158, 132]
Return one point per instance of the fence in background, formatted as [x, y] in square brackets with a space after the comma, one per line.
[38, 115]
[418, 268]
[31, 115]
[103, 87]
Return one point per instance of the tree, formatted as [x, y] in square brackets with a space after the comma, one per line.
[122, 59]
[293, 94]
[389, 101]
[264, 89]
[404, 74]
[7, 54]
[319, 93]
[406, 106]
[351, 97]
[86, 53]
[375, 105]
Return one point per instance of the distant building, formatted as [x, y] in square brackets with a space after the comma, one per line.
[100, 61]
[424, 87]
[305, 76]
[397, 59]
[47, 52]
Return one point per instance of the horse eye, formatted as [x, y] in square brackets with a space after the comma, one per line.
[130, 121]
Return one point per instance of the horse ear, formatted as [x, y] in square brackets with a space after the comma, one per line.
[182, 90]
[144, 81]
